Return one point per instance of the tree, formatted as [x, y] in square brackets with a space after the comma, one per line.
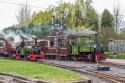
[91, 19]
[80, 14]
[108, 34]
[107, 26]
[107, 19]
[89, 14]
[24, 13]
[117, 18]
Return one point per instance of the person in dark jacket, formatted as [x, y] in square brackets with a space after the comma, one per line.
[98, 48]
[17, 50]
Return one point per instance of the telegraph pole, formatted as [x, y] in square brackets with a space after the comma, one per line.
[62, 20]
[58, 29]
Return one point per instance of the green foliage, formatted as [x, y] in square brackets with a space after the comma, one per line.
[40, 18]
[115, 56]
[38, 71]
[74, 15]
[92, 19]
[107, 19]
[107, 34]
[107, 28]
[81, 14]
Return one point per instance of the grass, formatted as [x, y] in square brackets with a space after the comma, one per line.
[115, 55]
[38, 71]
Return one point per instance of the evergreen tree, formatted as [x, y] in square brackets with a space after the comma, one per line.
[107, 19]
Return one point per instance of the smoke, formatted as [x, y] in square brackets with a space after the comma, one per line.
[17, 36]
[80, 32]
[12, 36]
[25, 36]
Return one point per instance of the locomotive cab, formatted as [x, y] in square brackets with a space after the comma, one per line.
[83, 46]
[82, 49]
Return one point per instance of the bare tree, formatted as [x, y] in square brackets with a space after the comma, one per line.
[24, 13]
[118, 18]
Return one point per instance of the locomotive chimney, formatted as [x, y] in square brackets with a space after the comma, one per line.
[35, 41]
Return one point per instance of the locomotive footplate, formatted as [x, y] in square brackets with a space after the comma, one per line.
[102, 68]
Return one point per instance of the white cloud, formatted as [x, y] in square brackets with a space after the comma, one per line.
[100, 5]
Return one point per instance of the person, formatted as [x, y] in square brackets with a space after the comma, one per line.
[70, 42]
[23, 49]
[98, 48]
[32, 48]
[98, 52]
[17, 50]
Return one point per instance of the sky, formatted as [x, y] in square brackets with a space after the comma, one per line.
[9, 10]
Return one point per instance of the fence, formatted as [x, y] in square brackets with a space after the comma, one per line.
[116, 46]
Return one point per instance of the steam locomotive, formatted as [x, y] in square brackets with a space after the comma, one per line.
[72, 46]
[32, 52]
[25, 50]
[83, 47]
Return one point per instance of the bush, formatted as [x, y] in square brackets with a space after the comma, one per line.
[115, 55]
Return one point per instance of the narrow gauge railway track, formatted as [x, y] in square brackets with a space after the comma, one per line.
[114, 64]
[118, 65]
[7, 78]
[109, 77]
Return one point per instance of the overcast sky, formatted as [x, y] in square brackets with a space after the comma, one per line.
[9, 11]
